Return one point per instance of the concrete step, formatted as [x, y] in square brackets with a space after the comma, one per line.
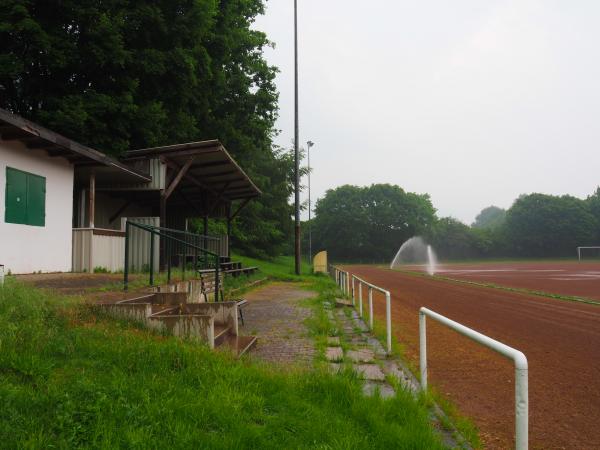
[342, 302]
[238, 345]
[221, 332]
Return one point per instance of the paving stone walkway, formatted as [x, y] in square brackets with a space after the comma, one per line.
[275, 315]
[364, 354]
[357, 348]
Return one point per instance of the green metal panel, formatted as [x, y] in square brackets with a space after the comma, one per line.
[16, 196]
[25, 198]
[36, 200]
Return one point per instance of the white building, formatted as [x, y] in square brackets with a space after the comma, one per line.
[63, 205]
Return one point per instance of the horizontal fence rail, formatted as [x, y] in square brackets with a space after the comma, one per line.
[347, 284]
[519, 359]
[174, 241]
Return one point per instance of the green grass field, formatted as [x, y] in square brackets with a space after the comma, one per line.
[72, 378]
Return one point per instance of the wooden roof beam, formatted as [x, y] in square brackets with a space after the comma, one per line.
[179, 176]
[190, 178]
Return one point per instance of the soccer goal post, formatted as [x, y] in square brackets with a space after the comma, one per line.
[592, 251]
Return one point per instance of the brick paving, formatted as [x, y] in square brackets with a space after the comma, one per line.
[274, 314]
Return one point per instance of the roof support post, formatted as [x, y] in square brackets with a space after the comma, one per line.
[92, 199]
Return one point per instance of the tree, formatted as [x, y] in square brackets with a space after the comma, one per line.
[593, 203]
[119, 75]
[490, 217]
[546, 225]
[369, 223]
[452, 239]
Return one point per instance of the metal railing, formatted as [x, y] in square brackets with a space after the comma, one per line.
[347, 283]
[519, 359]
[181, 246]
[388, 306]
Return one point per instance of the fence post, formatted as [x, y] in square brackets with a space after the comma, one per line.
[521, 403]
[126, 268]
[353, 300]
[217, 264]
[347, 283]
[423, 349]
[370, 308]
[388, 317]
[360, 303]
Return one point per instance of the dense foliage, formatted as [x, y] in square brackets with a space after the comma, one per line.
[490, 217]
[118, 75]
[369, 223]
[536, 225]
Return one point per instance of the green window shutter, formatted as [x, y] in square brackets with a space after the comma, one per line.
[25, 198]
[36, 200]
[16, 196]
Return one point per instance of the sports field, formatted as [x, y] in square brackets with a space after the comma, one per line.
[561, 340]
[565, 278]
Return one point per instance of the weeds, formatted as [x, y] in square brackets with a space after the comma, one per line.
[69, 378]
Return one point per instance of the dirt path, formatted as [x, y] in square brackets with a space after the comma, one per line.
[275, 316]
[560, 339]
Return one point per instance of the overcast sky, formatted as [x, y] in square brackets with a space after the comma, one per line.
[473, 102]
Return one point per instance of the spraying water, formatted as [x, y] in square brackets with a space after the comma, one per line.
[431, 261]
[416, 251]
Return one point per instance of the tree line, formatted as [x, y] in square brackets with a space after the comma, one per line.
[370, 223]
[121, 74]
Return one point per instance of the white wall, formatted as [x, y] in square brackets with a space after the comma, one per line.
[26, 248]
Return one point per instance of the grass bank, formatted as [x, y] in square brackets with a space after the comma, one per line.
[72, 378]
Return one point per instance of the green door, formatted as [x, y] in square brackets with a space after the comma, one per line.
[36, 200]
[16, 196]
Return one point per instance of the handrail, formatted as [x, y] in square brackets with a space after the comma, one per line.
[343, 278]
[388, 306]
[519, 359]
[202, 236]
[153, 232]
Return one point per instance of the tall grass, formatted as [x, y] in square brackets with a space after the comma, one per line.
[70, 378]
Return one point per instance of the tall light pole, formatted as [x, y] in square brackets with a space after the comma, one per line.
[296, 143]
[309, 144]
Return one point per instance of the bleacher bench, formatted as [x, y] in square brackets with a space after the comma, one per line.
[240, 271]
[208, 286]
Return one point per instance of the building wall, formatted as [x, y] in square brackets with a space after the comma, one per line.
[25, 248]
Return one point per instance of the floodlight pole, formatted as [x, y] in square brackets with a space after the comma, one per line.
[296, 143]
[309, 144]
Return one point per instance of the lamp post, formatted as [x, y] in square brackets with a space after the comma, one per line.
[296, 143]
[309, 144]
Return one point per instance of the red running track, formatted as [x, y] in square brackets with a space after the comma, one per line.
[560, 339]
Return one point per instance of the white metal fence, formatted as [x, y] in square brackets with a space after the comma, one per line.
[347, 283]
[519, 359]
